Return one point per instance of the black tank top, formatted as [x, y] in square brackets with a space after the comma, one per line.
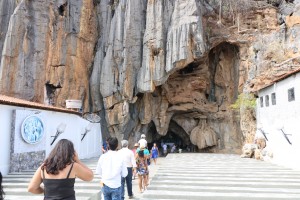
[59, 189]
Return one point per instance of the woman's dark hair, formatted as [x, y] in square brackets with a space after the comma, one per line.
[112, 143]
[61, 156]
[1, 188]
[141, 153]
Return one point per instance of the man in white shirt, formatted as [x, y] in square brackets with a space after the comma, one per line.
[143, 141]
[111, 167]
[130, 163]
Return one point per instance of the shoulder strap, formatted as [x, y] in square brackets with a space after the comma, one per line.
[43, 173]
[70, 169]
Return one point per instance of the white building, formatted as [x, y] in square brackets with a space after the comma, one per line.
[278, 116]
[28, 130]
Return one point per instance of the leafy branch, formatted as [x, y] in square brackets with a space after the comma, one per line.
[244, 101]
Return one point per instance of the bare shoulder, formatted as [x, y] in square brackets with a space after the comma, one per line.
[83, 172]
[76, 166]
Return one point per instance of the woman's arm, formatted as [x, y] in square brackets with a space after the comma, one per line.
[35, 183]
[81, 170]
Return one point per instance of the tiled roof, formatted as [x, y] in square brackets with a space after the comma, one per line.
[6, 100]
[284, 76]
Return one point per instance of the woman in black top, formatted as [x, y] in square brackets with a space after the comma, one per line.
[58, 173]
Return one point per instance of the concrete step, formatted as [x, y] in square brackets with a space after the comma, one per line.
[232, 178]
[15, 185]
[162, 194]
[217, 174]
[221, 177]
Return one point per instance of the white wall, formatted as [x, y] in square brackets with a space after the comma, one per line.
[5, 133]
[75, 127]
[284, 114]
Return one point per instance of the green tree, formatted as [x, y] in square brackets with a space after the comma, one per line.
[244, 101]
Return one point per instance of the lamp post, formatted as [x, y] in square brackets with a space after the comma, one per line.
[286, 136]
[87, 129]
[259, 127]
[59, 130]
[280, 127]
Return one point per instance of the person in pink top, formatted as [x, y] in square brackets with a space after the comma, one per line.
[136, 145]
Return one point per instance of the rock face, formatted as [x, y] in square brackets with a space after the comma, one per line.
[165, 68]
[7, 8]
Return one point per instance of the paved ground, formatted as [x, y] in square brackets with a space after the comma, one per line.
[135, 186]
[190, 176]
[222, 177]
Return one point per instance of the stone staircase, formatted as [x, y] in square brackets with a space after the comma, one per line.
[15, 185]
[221, 177]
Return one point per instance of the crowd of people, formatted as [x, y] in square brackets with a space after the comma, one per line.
[131, 163]
[116, 168]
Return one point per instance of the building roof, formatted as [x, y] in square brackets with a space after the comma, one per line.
[6, 100]
[284, 76]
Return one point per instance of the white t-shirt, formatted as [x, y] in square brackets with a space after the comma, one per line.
[142, 142]
[111, 167]
[165, 147]
[128, 157]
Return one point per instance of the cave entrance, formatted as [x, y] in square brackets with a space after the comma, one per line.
[175, 136]
[198, 98]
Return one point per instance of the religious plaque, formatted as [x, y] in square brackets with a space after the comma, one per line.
[32, 129]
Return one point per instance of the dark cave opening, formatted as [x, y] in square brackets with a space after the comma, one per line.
[61, 9]
[50, 91]
[189, 68]
[175, 136]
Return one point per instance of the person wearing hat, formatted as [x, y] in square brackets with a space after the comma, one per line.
[143, 141]
[135, 147]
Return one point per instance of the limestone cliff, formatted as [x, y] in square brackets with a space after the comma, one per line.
[158, 67]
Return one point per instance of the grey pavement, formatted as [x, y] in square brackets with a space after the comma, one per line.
[221, 177]
[189, 176]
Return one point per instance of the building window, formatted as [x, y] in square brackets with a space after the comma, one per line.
[273, 98]
[261, 102]
[267, 100]
[291, 94]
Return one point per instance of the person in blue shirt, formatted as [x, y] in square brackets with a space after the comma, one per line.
[154, 153]
[104, 147]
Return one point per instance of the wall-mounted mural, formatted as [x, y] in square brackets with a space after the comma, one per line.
[32, 130]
